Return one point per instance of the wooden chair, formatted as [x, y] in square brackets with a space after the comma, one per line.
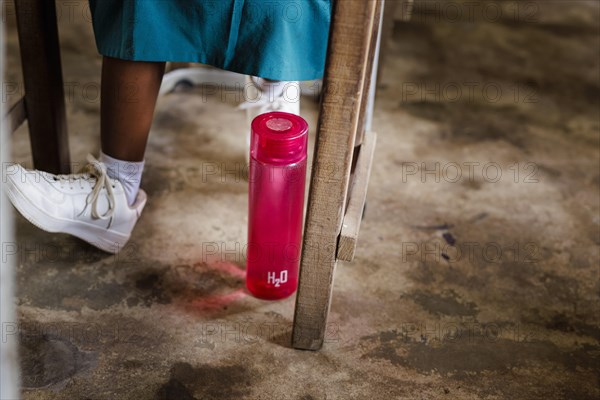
[343, 153]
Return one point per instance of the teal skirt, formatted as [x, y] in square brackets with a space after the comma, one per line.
[273, 39]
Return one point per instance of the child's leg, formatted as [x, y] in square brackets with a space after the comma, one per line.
[102, 205]
[129, 92]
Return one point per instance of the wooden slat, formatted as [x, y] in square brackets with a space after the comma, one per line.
[349, 47]
[370, 76]
[357, 197]
[42, 76]
[15, 117]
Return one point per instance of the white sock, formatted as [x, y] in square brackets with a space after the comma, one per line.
[273, 89]
[129, 173]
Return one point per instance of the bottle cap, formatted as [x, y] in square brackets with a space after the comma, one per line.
[279, 138]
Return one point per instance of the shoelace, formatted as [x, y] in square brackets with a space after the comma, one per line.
[97, 170]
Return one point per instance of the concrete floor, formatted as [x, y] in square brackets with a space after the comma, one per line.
[473, 287]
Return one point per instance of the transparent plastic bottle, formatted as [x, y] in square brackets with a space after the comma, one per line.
[277, 179]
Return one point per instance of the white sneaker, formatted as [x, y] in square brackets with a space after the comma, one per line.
[88, 205]
[259, 102]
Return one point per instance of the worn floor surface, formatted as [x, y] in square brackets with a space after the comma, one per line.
[476, 275]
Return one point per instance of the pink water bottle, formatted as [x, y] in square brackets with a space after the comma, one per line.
[276, 204]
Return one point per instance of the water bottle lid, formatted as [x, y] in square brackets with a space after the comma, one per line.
[279, 138]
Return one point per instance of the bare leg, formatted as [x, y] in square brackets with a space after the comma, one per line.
[129, 92]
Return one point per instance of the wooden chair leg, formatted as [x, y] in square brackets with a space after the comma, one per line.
[347, 68]
[44, 91]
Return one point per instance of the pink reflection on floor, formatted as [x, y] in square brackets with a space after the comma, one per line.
[228, 268]
[219, 302]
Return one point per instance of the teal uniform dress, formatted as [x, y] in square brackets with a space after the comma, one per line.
[273, 39]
